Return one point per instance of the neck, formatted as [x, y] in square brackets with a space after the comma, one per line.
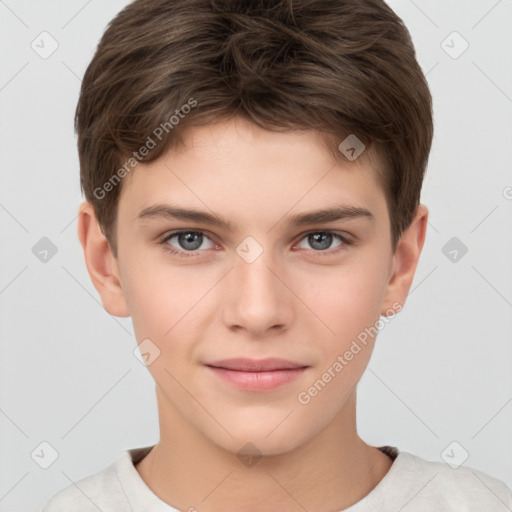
[331, 471]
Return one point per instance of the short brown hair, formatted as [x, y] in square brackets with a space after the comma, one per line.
[338, 66]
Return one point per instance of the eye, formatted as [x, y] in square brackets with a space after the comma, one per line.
[322, 240]
[186, 242]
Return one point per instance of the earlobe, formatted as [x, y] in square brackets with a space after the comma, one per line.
[100, 262]
[406, 259]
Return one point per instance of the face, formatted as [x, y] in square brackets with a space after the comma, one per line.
[262, 285]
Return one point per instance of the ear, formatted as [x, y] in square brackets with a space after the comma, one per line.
[100, 261]
[405, 261]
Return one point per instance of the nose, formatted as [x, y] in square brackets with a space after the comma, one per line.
[257, 299]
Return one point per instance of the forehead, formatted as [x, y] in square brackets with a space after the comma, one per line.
[237, 166]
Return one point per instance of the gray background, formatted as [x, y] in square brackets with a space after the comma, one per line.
[441, 371]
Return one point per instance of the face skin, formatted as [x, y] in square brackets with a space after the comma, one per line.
[299, 300]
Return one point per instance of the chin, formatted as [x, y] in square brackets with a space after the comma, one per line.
[255, 443]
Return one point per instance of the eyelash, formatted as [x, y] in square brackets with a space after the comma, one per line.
[188, 254]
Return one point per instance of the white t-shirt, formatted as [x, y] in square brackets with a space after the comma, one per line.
[412, 484]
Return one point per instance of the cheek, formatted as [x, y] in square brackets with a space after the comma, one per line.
[348, 303]
[163, 299]
[346, 298]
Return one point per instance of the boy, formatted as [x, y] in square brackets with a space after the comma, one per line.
[252, 173]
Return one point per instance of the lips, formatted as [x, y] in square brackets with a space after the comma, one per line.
[256, 375]
[256, 365]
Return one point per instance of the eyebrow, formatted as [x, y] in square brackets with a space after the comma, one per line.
[337, 212]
